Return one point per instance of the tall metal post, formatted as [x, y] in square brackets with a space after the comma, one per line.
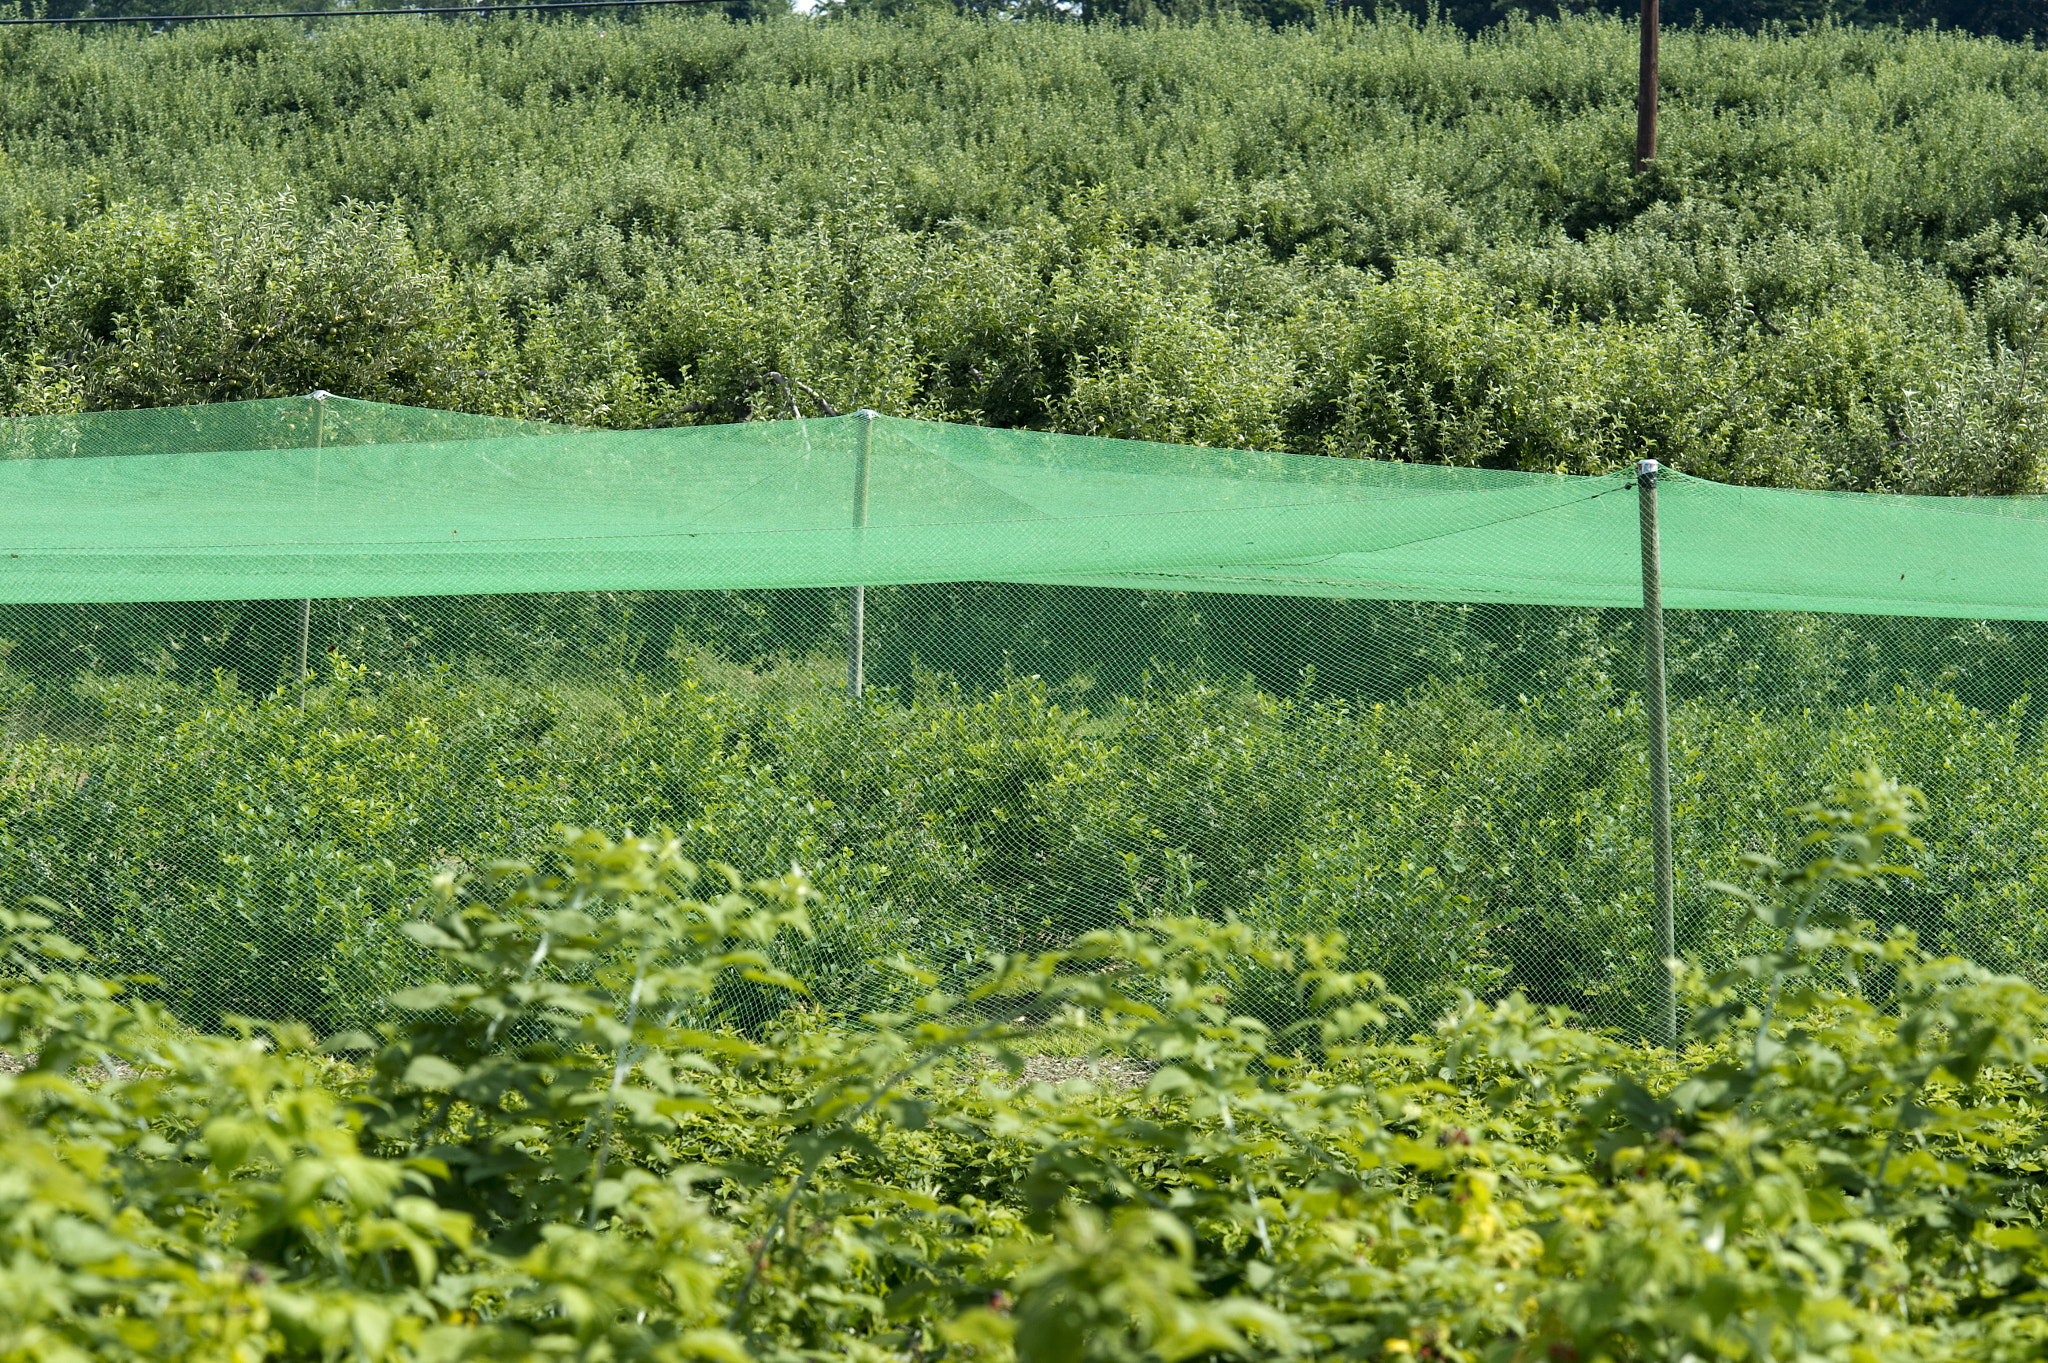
[1660, 748]
[857, 602]
[306, 606]
[1646, 88]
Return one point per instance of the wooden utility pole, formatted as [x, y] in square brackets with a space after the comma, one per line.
[1646, 90]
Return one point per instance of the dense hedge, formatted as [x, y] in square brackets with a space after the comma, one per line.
[1364, 238]
[258, 851]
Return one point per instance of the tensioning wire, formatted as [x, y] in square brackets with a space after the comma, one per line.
[358, 13]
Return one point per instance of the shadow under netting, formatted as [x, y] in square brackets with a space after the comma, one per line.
[1458, 788]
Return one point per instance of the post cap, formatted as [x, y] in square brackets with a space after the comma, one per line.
[321, 395]
[867, 413]
[1647, 466]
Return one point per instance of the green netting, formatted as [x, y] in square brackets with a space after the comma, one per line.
[272, 424]
[852, 500]
[1727, 548]
[1107, 680]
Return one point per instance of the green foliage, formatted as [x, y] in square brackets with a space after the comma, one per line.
[1360, 238]
[2007, 18]
[560, 1152]
[2002, 18]
[259, 852]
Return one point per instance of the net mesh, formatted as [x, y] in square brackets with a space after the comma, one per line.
[1105, 681]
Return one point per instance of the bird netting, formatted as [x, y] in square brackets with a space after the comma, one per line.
[1105, 680]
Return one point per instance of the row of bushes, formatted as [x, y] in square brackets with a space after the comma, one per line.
[1372, 238]
[260, 850]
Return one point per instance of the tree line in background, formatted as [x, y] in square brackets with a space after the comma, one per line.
[2013, 19]
[1370, 238]
[1994, 18]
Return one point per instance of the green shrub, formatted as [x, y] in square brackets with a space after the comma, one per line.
[1361, 238]
[259, 852]
[564, 1150]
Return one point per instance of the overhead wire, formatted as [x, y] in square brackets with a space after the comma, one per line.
[356, 13]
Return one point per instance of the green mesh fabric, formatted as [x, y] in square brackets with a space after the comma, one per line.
[858, 501]
[1724, 548]
[269, 424]
[1106, 680]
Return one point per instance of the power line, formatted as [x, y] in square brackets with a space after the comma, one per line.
[358, 13]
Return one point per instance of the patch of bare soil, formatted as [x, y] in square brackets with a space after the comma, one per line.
[15, 1064]
[1056, 1069]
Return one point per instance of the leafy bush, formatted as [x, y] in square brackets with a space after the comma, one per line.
[1361, 238]
[563, 1150]
[260, 852]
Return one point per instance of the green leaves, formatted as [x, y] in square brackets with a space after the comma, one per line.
[559, 1151]
[1123, 1288]
[264, 860]
[1353, 237]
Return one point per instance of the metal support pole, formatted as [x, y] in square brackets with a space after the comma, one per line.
[1646, 88]
[857, 602]
[1660, 748]
[306, 606]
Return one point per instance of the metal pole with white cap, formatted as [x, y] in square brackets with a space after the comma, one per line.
[857, 601]
[306, 605]
[1660, 748]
